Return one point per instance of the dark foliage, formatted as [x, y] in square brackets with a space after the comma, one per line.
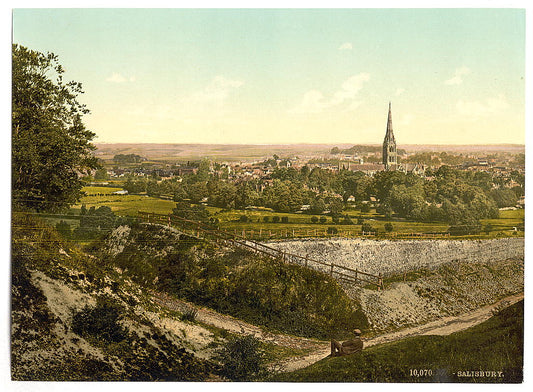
[102, 321]
[50, 144]
[242, 359]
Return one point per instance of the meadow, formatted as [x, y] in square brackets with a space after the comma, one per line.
[296, 224]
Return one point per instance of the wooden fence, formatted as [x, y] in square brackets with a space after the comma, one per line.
[200, 230]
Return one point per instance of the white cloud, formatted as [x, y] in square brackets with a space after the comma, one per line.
[491, 106]
[217, 90]
[119, 78]
[400, 91]
[314, 101]
[458, 76]
[346, 46]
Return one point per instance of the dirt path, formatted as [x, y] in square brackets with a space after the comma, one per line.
[231, 324]
[321, 349]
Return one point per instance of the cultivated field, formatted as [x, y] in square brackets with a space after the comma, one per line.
[298, 225]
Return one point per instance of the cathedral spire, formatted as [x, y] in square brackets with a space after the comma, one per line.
[389, 135]
[390, 157]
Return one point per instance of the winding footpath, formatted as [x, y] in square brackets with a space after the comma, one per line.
[320, 349]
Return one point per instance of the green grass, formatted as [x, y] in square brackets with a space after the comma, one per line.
[91, 190]
[129, 205]
[495, 345]
[507, 220]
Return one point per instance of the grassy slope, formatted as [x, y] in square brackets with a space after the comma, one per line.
[284, 297]
[45, 344]
[495, 345]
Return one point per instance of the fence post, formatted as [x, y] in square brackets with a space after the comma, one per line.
[356, 274]
[331, 270]
[306, 259]
[380, 282]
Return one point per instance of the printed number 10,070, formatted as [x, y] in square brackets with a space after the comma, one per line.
[420, 372]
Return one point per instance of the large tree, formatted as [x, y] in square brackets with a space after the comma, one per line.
[50, 144]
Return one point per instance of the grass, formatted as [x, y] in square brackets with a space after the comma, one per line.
[91, 190]
[495, 345]
[129, 205]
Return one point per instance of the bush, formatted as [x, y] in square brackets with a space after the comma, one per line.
[275, 219]
[101, 321]
[332, 230]
[367, 228]
[64, 229]
[388, 227]
[242, 359]
[347, 220]
[465, 229]
[243, 219]
[314, 219]
[360, 221]
[266, 219]
[284, 219]
[323, 219]
[365, 207]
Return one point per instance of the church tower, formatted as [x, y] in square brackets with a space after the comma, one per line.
[390, 157]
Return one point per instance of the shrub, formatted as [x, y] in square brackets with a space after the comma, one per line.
[465, 229]
[360, 221]
[242, 359]
[266, 219]
[314, 219]
[347, 220]
[332, 230]
[64, 229]
[101, 321]
[365, 207]
[323, 219]
[275, 219]
[388, 227]
[243, 218]
[284, 219]
[367, 228]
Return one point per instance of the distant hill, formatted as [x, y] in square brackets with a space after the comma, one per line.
[237, 152]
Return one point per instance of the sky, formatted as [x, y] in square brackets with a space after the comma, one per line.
[453, 76]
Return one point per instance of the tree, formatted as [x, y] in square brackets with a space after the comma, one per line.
[388, 227]
[50, 145]
[101, 174]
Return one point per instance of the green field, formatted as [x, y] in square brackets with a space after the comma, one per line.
[104, 190]
[129, 205]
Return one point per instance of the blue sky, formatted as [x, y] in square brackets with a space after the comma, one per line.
[454, 76]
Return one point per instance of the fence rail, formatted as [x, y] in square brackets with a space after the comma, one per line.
[200, 230]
